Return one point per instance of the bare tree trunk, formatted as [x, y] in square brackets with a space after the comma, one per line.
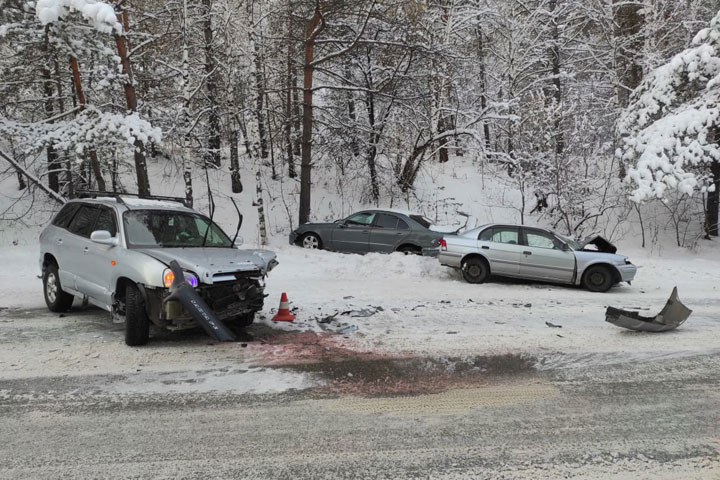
[483, 86]
[236, 184]
[262, 230]
[306, 164]
[296, 113]
[94, 163]
[211, 86]
[270, 135]
[713, 202]
[557, 86]
[185, 148]
[131, 99]
[288, 98]
[53, 166]
[629, 42]
[372, 147]
[259, 104]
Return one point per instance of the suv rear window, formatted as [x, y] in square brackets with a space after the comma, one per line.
[83, 221]
[65, 215]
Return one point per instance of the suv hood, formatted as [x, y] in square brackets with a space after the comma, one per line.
[207, 263]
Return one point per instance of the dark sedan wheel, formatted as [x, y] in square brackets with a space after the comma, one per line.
[597, 279]
[311, 240]
[475, 270]
[56, 299]
[410, 250]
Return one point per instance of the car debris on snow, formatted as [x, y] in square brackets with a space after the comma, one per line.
[552, 325]
[673, 314]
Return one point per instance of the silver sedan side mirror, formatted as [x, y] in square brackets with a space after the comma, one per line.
[103, 237]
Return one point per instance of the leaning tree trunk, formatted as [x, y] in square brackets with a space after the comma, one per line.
[131, 99]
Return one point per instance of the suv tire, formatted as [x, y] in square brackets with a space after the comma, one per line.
[56, 299]
[245, 320]
[137, 323]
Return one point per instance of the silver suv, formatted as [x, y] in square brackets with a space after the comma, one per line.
[116, 253]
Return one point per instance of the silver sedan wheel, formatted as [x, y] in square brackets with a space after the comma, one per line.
[311, 241]
[51, 287]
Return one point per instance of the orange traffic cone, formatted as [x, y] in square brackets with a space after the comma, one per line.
[283, 314]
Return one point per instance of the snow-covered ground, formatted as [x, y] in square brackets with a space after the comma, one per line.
[415, 306]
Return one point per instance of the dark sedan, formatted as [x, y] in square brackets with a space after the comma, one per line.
[383, 231]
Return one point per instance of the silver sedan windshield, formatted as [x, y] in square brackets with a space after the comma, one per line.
[572, 243]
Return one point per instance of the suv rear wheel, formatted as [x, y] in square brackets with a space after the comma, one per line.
[137, 323]
[56, 299]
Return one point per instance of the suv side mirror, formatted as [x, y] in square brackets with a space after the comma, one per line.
[103, 237]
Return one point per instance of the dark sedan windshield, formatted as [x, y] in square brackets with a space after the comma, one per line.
[167, 228]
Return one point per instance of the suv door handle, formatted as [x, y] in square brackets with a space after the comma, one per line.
[59, 241]
[485, 247]
[399, 233]
[86, 249]
[527, 253]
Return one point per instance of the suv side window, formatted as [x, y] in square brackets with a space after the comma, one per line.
[386, 221]
[106, 221]
[83, 221]
[65, 215]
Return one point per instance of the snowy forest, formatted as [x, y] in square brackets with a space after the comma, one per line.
[584, 114]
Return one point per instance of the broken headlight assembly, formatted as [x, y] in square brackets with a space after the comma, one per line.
[169, 276]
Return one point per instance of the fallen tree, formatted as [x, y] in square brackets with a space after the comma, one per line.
[32, 178]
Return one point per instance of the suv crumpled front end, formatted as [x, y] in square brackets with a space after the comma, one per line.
[230, 281]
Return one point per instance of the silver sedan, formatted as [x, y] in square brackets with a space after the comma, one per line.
[535, 254]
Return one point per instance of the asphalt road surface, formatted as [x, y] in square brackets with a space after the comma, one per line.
[76, 403]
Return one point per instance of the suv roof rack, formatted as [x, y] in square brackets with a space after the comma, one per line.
[118, 196]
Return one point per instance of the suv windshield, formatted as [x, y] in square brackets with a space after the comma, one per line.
[167, 228]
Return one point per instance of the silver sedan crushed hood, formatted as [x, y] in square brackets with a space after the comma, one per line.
[210, 263]
[596, 243]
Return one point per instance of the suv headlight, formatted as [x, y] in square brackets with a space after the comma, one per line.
[169, 276]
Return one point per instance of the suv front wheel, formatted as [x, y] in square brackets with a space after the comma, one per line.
[56, 299]
[137, 323]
